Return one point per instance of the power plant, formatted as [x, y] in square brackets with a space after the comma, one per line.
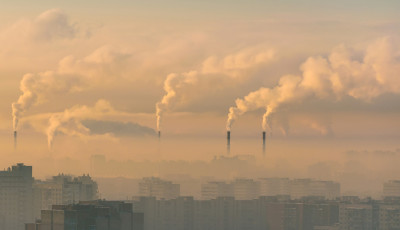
[228, 139]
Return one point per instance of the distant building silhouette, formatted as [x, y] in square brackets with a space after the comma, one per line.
[226, 213]
[156, 187]
[246, 189]
[307, 187]
[63, 189]
[274, 186]
[391, 189]
[99, 215]
[356, 216]
[16, 197]
[214, 189]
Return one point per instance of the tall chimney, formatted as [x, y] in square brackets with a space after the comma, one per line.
[228, 139]
[159, 134]
[263, 138]
[15, 139]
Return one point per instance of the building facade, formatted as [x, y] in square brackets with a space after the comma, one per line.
[90, 215]
[62, 190]
[158, 188]
[16, 197]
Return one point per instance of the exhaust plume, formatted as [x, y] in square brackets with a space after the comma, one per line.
[331, 78]
[71, 75]
[171, 85]
[69, 122]
[268, 98]
[231, 67]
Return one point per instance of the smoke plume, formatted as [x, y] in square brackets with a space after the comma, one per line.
[69, 122]
[232, 66]
[332, 78]
[71, 75]
[171, 86]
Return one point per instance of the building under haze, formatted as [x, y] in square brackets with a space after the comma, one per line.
[391, 189]
[63, 190]
[246, 189]
[307, 187]
[274, 186]
[226, 213]
[158, 188]
[356, 216]
[96, 215]
[16, 197]
[215, 189]
[389, 217]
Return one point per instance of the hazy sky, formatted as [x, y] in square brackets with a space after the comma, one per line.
[85, 78]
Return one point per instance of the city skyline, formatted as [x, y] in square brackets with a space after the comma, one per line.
[263, 203]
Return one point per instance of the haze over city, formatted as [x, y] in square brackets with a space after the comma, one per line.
[99, 78]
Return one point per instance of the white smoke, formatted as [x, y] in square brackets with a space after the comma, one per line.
[171, 85]
[232, 66]
[69, 122]
[71, 75]
[335, 77]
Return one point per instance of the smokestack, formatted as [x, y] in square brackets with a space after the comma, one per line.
[15, 139]
[228, 139]
[263, 138]
[159, 134]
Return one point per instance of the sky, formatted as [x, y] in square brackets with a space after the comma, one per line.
[84, 78]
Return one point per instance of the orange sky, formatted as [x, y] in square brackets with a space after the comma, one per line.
[85, 79]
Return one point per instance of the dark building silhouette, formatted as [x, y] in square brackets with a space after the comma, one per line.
[16, 199]
[226, 213]
[88, 215]
[63, 189]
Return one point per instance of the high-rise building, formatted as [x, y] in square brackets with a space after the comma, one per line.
[246, 189]
[99, 214]
[215, 189]
[274, 186]
[161, 189]
[320, 214]
[391, 189]
[389, 217]
[327, 189]
[356, 216]
[300, 188]
[16, 197]
[226, 213]
[63, 189]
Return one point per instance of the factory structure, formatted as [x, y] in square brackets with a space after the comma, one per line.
[228, 139]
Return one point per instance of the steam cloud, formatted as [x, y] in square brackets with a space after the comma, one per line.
[171, 85]
[233, 66]
[72, 75]
[69, 122]
[335, 77]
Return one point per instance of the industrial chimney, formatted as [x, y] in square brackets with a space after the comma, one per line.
[228, 139]
[159, 134]
[263, 138]
[15, 139]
